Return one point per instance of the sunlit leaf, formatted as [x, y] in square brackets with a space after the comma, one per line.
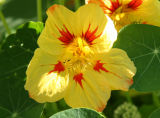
[16, 52]
[142, 43]
[78, 113]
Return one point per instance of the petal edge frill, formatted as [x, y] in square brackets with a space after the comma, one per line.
[59, 30]
[117, 68]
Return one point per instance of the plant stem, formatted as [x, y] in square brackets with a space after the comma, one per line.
[4, 22]
[39, 10]
[156, 99]
[129, 99]
[77, 4]
[62, 2]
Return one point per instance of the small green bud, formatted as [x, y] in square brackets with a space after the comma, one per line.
[127, 110]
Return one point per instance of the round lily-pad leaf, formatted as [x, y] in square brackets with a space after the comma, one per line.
[142, 44]
[78, 113]
[155, 114]
[15, 52]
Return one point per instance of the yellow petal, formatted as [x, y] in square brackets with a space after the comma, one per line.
[58, 27]
[117, 68]
[46, 77]
[124, 12]
[95, 22]
[89, 90]
[64, 26]
[147, 12]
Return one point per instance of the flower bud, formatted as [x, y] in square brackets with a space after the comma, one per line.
[127, 110]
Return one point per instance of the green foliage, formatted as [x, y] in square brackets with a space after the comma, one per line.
[52, 108]
[77, 113]
[146, 110]
[142, 43]
[155, 114]
[16, 52]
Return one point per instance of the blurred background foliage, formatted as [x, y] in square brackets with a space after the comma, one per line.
[18, 12]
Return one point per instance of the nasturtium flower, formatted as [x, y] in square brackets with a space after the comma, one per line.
[124, 12]
[75, 59]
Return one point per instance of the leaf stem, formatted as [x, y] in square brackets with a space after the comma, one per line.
[4, 22]
[156, 100]
[39, 10]
[61, 2]
[129, 99]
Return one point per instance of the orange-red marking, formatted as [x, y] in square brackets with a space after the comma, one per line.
[66, 37]
[100, 109]
[130, 82]
[134, 4]
[114, 5]
[144, 22]
[78, 78]
[99, 66]
[30, 95]
[90, 36]
[52, 8]
[58, 67]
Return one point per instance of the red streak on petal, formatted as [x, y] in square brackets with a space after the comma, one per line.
[90, 35]
[99, 66]
[144, 22]
[52, 8]
[78, 78]
[130, 82]
[66, 37]
[114, 5]
[57, 67]
[30, 95]
[100, 109]
[134, 4]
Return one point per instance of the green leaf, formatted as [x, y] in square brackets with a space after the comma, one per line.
[146, 110]
[52, 108]
[142, 44]
[155, 114]
[16, 52]
[78, 113]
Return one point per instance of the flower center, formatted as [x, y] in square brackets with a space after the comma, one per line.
[78, 55]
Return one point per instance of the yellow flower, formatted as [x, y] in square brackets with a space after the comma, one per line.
[124, 12]
[75, 60]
